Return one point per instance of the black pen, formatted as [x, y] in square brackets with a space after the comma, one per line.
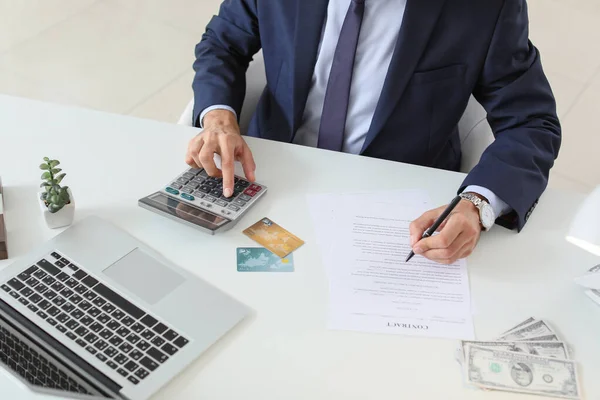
[437, 223]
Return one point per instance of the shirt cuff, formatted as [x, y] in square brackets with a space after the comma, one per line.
[500, 207]
[215, 107]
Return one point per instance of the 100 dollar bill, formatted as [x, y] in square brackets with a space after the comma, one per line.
[519, 372]
[543, 349]
[535, 329]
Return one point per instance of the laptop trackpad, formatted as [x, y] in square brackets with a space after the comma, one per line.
[144, 276]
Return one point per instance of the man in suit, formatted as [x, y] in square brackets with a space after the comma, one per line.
[387, 79]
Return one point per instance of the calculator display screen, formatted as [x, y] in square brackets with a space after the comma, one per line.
[185, 211]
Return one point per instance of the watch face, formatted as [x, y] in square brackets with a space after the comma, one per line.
[487, 216]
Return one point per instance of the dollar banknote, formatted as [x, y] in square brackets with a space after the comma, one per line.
[496, 369]
[543, 349]
[526, 322]
[535, 329]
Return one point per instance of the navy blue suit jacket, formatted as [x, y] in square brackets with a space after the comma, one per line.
[446, 51]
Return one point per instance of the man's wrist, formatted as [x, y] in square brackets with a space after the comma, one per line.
[219, 117]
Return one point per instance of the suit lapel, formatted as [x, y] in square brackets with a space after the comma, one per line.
[309, 25]
[419, 20]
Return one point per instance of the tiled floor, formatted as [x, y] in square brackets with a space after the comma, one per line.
[134, 57]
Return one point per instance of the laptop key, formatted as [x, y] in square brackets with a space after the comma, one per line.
[89, 295]
[158, 341]
[72, 283]
[137, 327]
[72, 324]
[56, 255]
[14, 294]
[33, 308]
[40, 274]
[81, 289]
[77, 313]
[122, 372]
[147, 334]
[53, 311]
[169, 349]
[41, 288]
[96, 327]
[133, 380]
[81, 331]
[143, 345]
[26, 292]
[112, 364]
[149, 363]
[48, 267]
[63, 318]
[71, 335]
[91, 338]
[103, 318]
[98, 301]
[125, 347]
[133, 338]
[127, 321]
[62, 277]
[76, 299]
[136, 354]
[80, 342]
[66, 293]
[27, 273]
[71, 265]
[59, 301]
[61, 328]
[141, 373]
[50, 295]
[44, 304]
[85, 305]
[51, 321]
[68, 307]
[106, 334]
[170, 335]
[111, 351]
[115, 340]
[157, 355]
[123, 331]
[101, 357]
[118, 314]
[35, 298]
[149, 321]
[181, 341]
[131, 366]
[159, 328]
[49, 280]
[113, 325]
[100, 345]
[91, 349]
[79, 275]
[59, 264]
[42, 314]
[89, 281]
[24, 301]
[120, 359]
[108, 308]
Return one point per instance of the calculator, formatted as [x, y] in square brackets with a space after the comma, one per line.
[196, 199]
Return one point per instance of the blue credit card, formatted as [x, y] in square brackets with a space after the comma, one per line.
[259, 259]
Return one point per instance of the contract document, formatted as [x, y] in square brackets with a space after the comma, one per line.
[364, 240]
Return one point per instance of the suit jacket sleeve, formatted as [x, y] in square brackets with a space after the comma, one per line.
[223, 55]
[521, 110]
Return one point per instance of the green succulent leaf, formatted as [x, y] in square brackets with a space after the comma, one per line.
[46, 175]
[54, 163]
[54, 208]
[44, 166]
[44, 195]
[54, 198]
[46, 159]
[53, 181]
[44, 184]
[55, 170]
[60, 177]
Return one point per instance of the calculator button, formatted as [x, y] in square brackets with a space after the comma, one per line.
[250, 192]
[243, 183]
[216, 192]
[210, 183]
[176, 185]
[198, 180]
[187, 189]
[192, 185]
[187, 196]
[233, 207]
[244, 197]
[198, 194]
[239, 203]
[227, 199]
[182, 180]
[188, 175]
[255, 187]
[209, 199]
[172, 190]
[221, 203]
[203, 173]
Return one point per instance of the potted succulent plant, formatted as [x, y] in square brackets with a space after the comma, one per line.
[56, 201]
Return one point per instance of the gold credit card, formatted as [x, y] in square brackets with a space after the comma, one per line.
[273, 237]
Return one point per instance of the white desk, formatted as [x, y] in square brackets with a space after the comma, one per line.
[284, 351]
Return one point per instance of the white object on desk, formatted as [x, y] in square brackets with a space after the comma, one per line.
[285, 351]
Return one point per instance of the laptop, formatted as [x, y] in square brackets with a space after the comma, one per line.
[95, 314]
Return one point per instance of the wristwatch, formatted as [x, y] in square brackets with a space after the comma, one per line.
[487, 216]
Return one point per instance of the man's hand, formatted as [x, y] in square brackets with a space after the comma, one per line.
[221, 135]
[458, 234]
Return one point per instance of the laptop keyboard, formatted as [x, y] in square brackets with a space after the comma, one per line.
[33, 366]
[111, 328]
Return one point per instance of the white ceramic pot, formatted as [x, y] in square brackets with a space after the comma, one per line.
[63, 217]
